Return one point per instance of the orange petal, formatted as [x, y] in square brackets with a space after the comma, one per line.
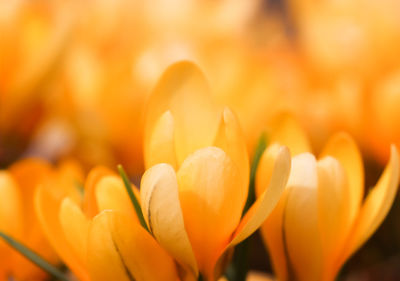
[120, 249]
[273, 235]
[231, 140]
[141, 252]
[273, 173]
[285, 130]
[161, 145]
[375, 207]
[343, 148]
[10, 206]
[47, 210]
[111, 195]
[104, 260]
[163, 214]
[75, 227]
[184, 91]
[300, 226]
[89, 201]
[212, 198]
[28, 174]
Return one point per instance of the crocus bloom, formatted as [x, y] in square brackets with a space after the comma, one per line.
[322, 218]
[194, 193]
[18, 219]
[99, 237]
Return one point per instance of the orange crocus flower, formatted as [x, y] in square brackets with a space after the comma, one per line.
[99, 237]
[322, 218]
[194, 191]
[18, 219]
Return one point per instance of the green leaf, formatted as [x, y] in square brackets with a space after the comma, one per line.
[133, 198]
[237, 270]
[33, 257]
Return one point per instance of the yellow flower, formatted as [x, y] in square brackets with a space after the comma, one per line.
[194, 191]
[99, 237]
[18, 219]
[322, 218]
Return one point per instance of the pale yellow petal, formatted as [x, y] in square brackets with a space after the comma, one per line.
[274, 167]
[286, 130]
[231, 140]
[184, 91]
[375, 207]
[142, 255]
[334, 203]
[343, 148]
[301, 233]
[161, 145]
[163, 214]
[75, 227]
[112, 195]
[103, 259]
[212, 198]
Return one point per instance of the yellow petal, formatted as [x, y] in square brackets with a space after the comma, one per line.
[161, 145]
[273, 235]
[47, 210]
[163, 214]
[212, 198]
[120, 249]
[103, 259]
[184, 91]
[231, 140]
[89, 201]
[273, 173]
[10, 206]
[111, 195]
[143, 256]
[334, 203]
[285, 130]
[375, 207]
[343, 148]
[75, 227]
[301, 233]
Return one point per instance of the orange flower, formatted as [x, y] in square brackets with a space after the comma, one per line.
[194, 193]
[322, 218]
[17, 216]
[99, 237]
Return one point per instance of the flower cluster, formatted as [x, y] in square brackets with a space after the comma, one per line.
[155, 140]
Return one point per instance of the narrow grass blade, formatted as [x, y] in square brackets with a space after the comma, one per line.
[132, 196]
[33, 257]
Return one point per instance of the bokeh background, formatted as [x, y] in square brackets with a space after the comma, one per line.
[75, 77]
